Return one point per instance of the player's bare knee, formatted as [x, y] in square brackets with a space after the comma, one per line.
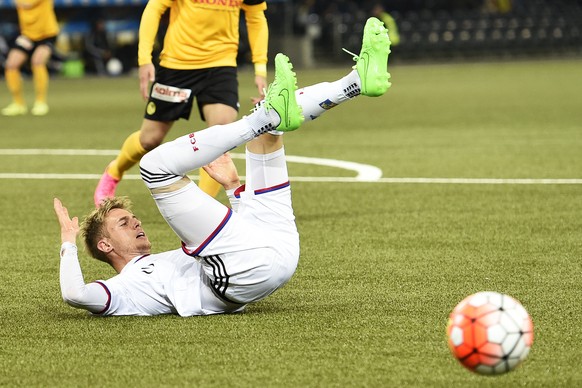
[152, 133]
[151, 142]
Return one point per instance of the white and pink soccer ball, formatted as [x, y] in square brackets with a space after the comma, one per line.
[490, 333]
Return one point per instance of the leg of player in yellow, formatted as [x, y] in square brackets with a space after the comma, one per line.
[40, 77]
[135, 146]
[14, 62]
[215, 114]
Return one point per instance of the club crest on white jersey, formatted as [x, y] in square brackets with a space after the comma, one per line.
[170, 93]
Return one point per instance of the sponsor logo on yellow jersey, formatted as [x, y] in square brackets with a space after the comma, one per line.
[220, 3]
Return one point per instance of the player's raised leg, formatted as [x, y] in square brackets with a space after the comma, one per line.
[369, 77]
[14, 62]
[279, 111]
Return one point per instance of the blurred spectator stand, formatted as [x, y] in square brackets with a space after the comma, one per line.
[76, 18]
[313, 32]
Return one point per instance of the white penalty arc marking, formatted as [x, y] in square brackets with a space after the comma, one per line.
[364, 172]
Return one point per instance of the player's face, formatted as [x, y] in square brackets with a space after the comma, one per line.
[126, 235]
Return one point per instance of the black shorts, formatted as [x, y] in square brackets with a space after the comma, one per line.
[28, 45]
[173, 92]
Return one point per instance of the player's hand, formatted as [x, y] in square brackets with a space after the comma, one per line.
[261, 83]
[224, 172]
[69, 227]
[147, 74]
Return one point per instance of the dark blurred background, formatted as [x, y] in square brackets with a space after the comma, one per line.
[313, 32]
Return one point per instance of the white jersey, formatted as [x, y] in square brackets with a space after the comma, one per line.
[165, 283]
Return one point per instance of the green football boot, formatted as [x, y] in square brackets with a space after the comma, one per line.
[281, 95]
[372, 63]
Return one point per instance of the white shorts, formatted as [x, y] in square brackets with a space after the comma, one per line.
[246, 254]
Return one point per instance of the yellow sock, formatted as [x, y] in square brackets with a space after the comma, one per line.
[14, 83]
[40, 78]
[208, 185]
[131, 153]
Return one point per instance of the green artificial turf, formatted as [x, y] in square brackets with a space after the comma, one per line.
[382, 264]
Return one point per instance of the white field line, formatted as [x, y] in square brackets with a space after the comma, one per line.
[364, 172]
[470, 181]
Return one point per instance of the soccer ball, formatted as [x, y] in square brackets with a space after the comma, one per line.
[114, 67]
[490, 333]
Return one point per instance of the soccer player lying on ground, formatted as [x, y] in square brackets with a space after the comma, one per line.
[229, 257]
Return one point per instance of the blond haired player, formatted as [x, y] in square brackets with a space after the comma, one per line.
[38, 32]
[198, 62]
[230, 256]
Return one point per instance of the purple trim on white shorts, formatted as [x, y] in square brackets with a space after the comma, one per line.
[196, 251]
[272, 188]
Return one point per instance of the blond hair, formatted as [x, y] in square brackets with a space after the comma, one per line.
[93, 226]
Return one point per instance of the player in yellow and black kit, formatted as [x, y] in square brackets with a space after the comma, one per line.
[198, 61]
[38, 32]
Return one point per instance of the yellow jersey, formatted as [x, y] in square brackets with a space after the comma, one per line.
[37, 19]
[203, 33]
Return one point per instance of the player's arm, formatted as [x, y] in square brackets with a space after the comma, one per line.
[93, 296]
[258, 32]
[148, 29]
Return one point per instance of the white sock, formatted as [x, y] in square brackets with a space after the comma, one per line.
[319, 98]
[265, 170]
[262, 121]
